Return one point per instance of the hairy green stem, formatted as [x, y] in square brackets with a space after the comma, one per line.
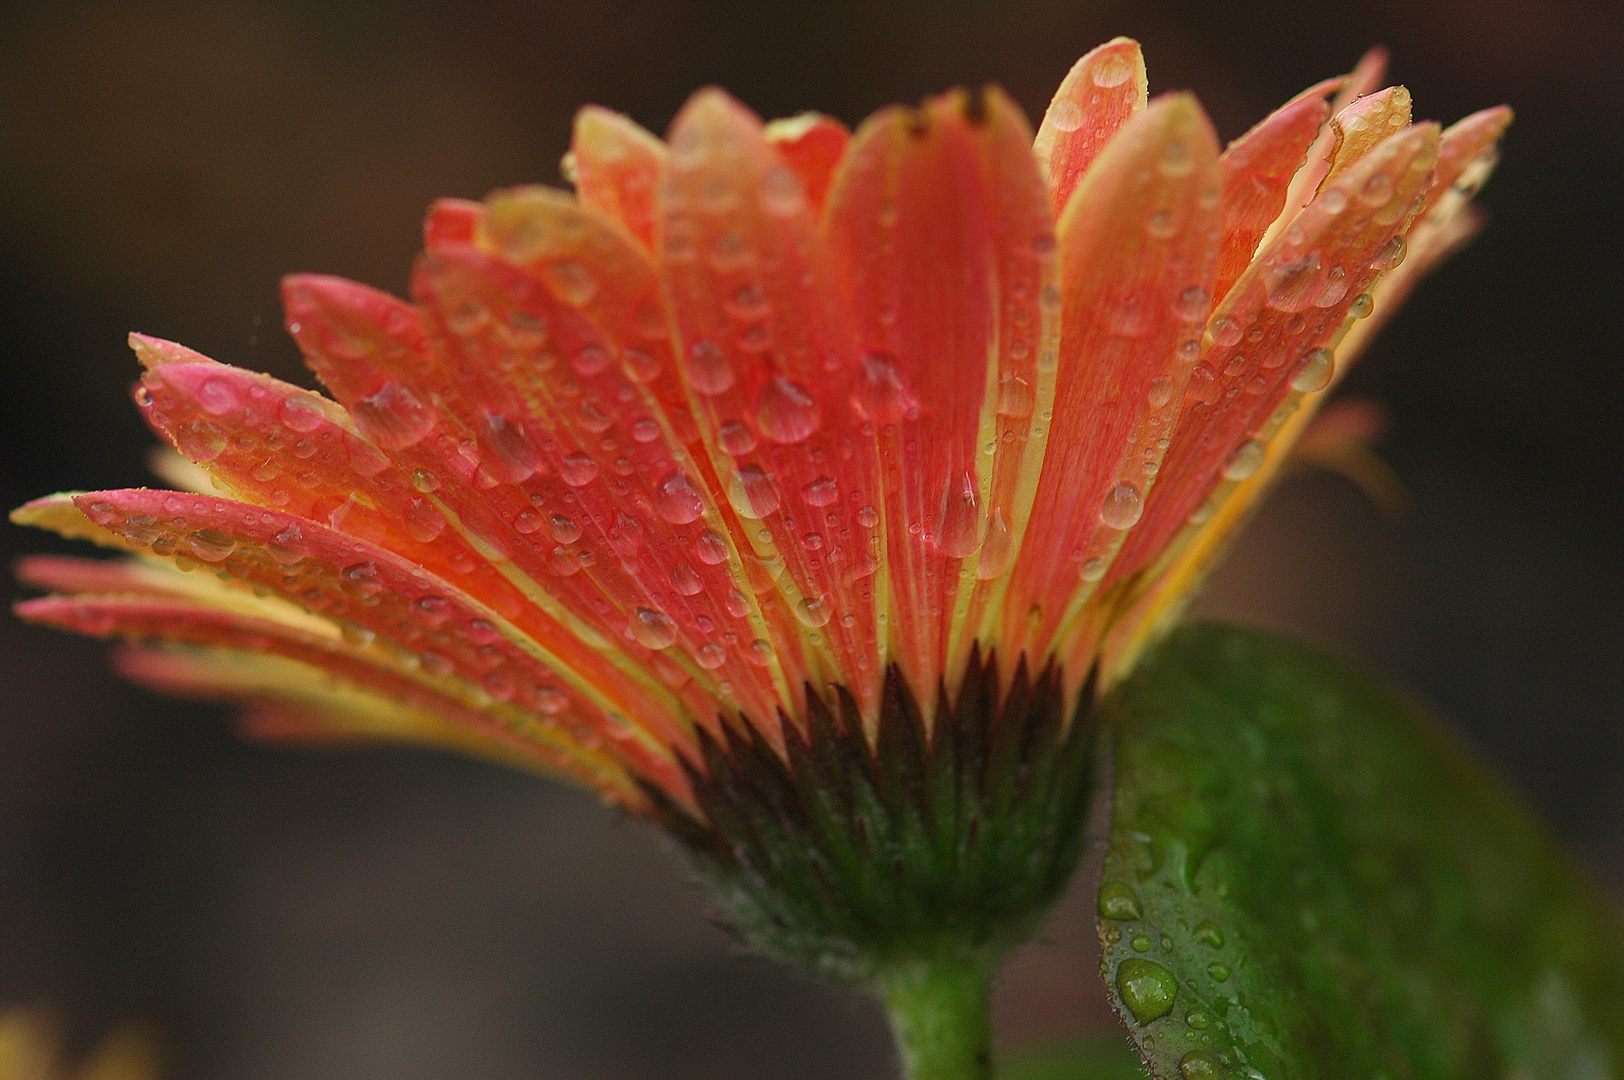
[940, 1015]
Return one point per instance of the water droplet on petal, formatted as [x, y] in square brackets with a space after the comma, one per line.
[1146, 988]
[563, 528]
[880, 395]
[393, 417]
[685, 579]
[1225, 331]
[997, 548]
[1208, 933]
[1334, 199]
[1292, 285]
[1219, 972]
[511, 458]
[1112, 70]
[958, 524]
[710, 656]
[708, 368]
[1192, 304]
[299, 414]
[526, 521]
[1176, 159]
[868, 517]
[1161, 391]
[1066, 115]
[1377, 190]
[1122, 506]
[284, 546]
[736, 437]
[589, 360]
[578, 469]
[752, 493]
[781, 192]
[760, 652]
[785, 412]
[711, 548]
[677, 500]
[423, 521]
[211, 545]
[425, 481]
[571, 282]
[653, 629]
[1391, 254]
[1245, 461]
[1361, 306]
[1314, 371]
[639, 365]
[812, 611]
[821, 492]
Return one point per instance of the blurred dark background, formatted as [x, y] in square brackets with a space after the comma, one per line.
[299, 916]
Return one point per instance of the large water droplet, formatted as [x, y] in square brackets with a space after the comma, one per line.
[785, 412]
[511, 458]
[997, 548]
[1176, 159]
[1225, 331]
[1245, 461]
[1361, 306]
[1219, 972]
[822, 491]
[710, 656]
[577, 469]
[1292, 285]
[284, 547]
[1146, 988]
[571, 282]
[1198, 1065]
[653, 629]
[708, 368]
[1065, 114]
[813, 611]
[1122, 506]
[736, 437]
[781, 192]
[299, 414]
[677, 500]
[958, 523]
[1111, 70]
[589, 360]
[1117, 901]
[880, 395]
[211, 545]
[711, 548]
[685, 579]
[626, 535]
[393, 417]
[423, 521]
[1314, 371]
[1192, 304]
[752, 493]
[362, 578]
[1391, 254]
[868, 517]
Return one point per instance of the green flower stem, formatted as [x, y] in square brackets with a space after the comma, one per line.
[941, 1016]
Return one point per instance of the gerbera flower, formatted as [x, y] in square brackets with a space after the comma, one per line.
[797, 489]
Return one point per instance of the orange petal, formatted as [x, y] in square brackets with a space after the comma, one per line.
[446, 695]
[470, 452]
[352, 582]
[598, 452]
[452, 221]
[1466, 154]
[618, 167]
[298, 452]
[1258, 168]
[1359, 128]
[941, 233]
[769, 359]
[812, 145]
[1101, 93]
[1138, 249]
[1271, 337]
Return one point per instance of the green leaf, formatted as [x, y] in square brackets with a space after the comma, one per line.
[1306, 878]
